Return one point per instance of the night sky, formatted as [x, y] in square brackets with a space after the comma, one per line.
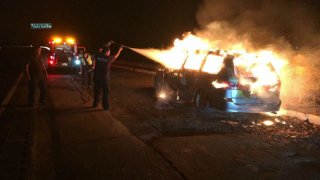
[138, 23]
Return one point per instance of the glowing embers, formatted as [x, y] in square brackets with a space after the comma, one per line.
[268, 122]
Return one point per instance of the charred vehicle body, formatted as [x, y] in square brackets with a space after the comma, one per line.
[225, 87]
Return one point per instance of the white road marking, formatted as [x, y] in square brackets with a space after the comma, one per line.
[8, 97]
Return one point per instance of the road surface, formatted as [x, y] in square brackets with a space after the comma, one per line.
[138, 139]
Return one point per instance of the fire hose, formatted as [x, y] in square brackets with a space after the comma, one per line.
[109, 43]
[81, 90]
[125, 46]
[86, 89]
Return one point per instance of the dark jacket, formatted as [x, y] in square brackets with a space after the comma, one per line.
[36, 69]
[102, 67]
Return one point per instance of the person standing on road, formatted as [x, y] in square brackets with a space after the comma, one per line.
[37, 76]
[86, 68]
[101, 75]
[95, 55]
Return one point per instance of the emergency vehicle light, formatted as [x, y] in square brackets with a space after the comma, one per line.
[70, 40]
[57, 40]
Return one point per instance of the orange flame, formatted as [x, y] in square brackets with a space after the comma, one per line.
[264, 66]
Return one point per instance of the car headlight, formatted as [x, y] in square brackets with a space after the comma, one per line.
[77, 62]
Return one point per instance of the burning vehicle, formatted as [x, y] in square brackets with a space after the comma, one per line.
[194, 70]
[220, 80]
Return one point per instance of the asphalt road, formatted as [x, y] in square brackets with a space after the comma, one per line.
[12, 63]
[218, 145]
[138, 139]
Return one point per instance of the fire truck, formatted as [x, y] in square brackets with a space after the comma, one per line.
[63, 53]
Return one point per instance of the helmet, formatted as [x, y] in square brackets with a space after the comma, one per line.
[108, 44]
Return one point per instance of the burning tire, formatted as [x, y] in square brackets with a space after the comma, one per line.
[202, 102]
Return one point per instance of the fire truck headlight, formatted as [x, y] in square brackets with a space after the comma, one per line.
[77, 62]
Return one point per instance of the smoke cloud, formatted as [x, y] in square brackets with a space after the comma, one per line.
[288, 27]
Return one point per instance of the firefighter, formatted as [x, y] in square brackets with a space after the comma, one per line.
[101, 75]
[37, 76]
[95, 57]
